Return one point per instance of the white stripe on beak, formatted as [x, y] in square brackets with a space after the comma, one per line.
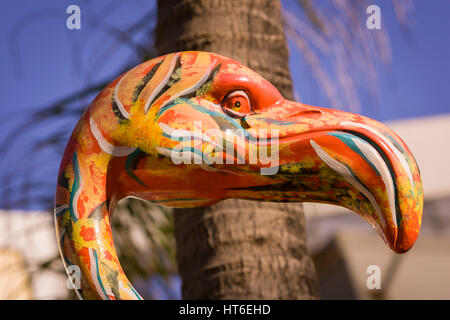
[375, 158]
[348, 176]
[397, 152]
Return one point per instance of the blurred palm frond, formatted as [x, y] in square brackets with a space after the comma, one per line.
[341, 53]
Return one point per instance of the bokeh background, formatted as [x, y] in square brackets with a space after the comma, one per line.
[399, 75]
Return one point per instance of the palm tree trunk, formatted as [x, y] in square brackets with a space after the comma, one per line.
[238, 249]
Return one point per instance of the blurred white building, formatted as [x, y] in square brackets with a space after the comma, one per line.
[27, 240]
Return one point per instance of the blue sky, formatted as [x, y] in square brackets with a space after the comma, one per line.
[417, 83]
[42, 61]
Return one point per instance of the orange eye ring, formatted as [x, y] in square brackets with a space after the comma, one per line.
[237, 104]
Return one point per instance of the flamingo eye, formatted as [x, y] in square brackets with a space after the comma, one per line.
[237, 104]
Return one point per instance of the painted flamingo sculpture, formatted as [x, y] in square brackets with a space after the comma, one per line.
[190, 129]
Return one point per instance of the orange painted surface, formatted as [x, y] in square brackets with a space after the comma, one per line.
[135, 135]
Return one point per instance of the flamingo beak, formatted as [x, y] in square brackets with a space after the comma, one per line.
[340, 158]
